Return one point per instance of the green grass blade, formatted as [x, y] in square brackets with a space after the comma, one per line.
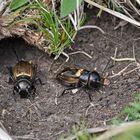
[68, 6]
[15, 4]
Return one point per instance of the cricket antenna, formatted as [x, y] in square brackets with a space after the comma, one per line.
[15, 53]
[104, 78]
[106, 65]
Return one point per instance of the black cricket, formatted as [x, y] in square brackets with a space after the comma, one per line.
[23, 77]
[75, 78]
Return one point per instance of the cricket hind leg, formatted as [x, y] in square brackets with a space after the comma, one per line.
[32, 95]
[89, 95]
[11, 78]
[39, 80]
[15, 95]
[67, 89]
[71, 88]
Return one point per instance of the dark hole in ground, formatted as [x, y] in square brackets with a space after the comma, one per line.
[43, 119]
[9, 46]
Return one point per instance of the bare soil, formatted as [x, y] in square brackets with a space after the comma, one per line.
[46, 119]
